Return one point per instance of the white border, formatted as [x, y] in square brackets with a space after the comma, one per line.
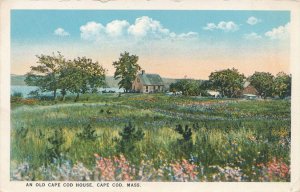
[293, 6]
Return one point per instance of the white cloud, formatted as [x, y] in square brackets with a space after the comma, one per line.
[116, 27]
[210, 26]
[253, 20]
[143, 27]
[281, 32]
[91, 30]
[252, 36]
[146, 26]
[61, 32]
[229, 26]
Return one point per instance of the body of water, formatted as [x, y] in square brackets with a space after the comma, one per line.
[25, 90]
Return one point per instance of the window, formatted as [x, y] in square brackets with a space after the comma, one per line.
[146, 88]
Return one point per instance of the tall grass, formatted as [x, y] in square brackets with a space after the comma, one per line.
[236, 133]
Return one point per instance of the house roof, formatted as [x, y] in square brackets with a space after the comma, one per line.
[151, 79]
[250, 90]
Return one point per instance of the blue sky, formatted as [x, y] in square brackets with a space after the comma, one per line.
[159, 37]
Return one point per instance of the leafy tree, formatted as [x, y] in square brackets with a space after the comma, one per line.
[81, 76]
[188, 87]
[46, 74]
[126, 70]
[228, 82]
[263, 82]
[282, 85]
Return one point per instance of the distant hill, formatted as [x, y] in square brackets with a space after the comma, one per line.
[17, 79]
[110, 81]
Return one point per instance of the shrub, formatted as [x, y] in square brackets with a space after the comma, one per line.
[16, 97]
[129, 137]
[22, 132]
[17, 94]
[186, 132]
[34, 94]
[88, 134]
[54, 149]
[185, 143]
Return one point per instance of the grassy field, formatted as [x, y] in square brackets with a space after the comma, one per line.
[220, 140]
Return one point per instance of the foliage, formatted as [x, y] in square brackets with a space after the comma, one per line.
[126, 70]
[82, 75]
[88, 134]
[54, 148]
[230, 137]
[54, 72]
[263, 82]
[17, 94]
[282, 85]
[188, 87]
[129, 137]
[274, 170]
[228, 82]
[34, 94]
[46, 74]
[185, 144]
[186, 132]
[118, 168]
[16, 97]
[22, 133]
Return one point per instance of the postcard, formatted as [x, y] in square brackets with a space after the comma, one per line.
[150, 96]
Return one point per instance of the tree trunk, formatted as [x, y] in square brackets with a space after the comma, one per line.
[54, 94]
[63, 93]
[77, 97]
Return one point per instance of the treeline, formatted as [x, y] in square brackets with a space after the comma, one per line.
[230, 83]
[80, 75]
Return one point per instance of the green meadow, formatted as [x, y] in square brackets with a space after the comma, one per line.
[220, 139]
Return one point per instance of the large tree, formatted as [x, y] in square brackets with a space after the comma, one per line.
[282, 85]
[188, 87]
[46, 74]
[263, 82]
[126, 70]
[228, 82]
[82, 75]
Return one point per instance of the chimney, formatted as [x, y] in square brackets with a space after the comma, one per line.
[143, 72]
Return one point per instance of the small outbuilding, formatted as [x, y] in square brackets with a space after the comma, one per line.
[148, 83]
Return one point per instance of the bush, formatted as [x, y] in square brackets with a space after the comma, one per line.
[16, 97]
[129, 137]
[54, 149]
[186, 132]
[88, 134]
[34, 94]
[17, 94]
[185, 143]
